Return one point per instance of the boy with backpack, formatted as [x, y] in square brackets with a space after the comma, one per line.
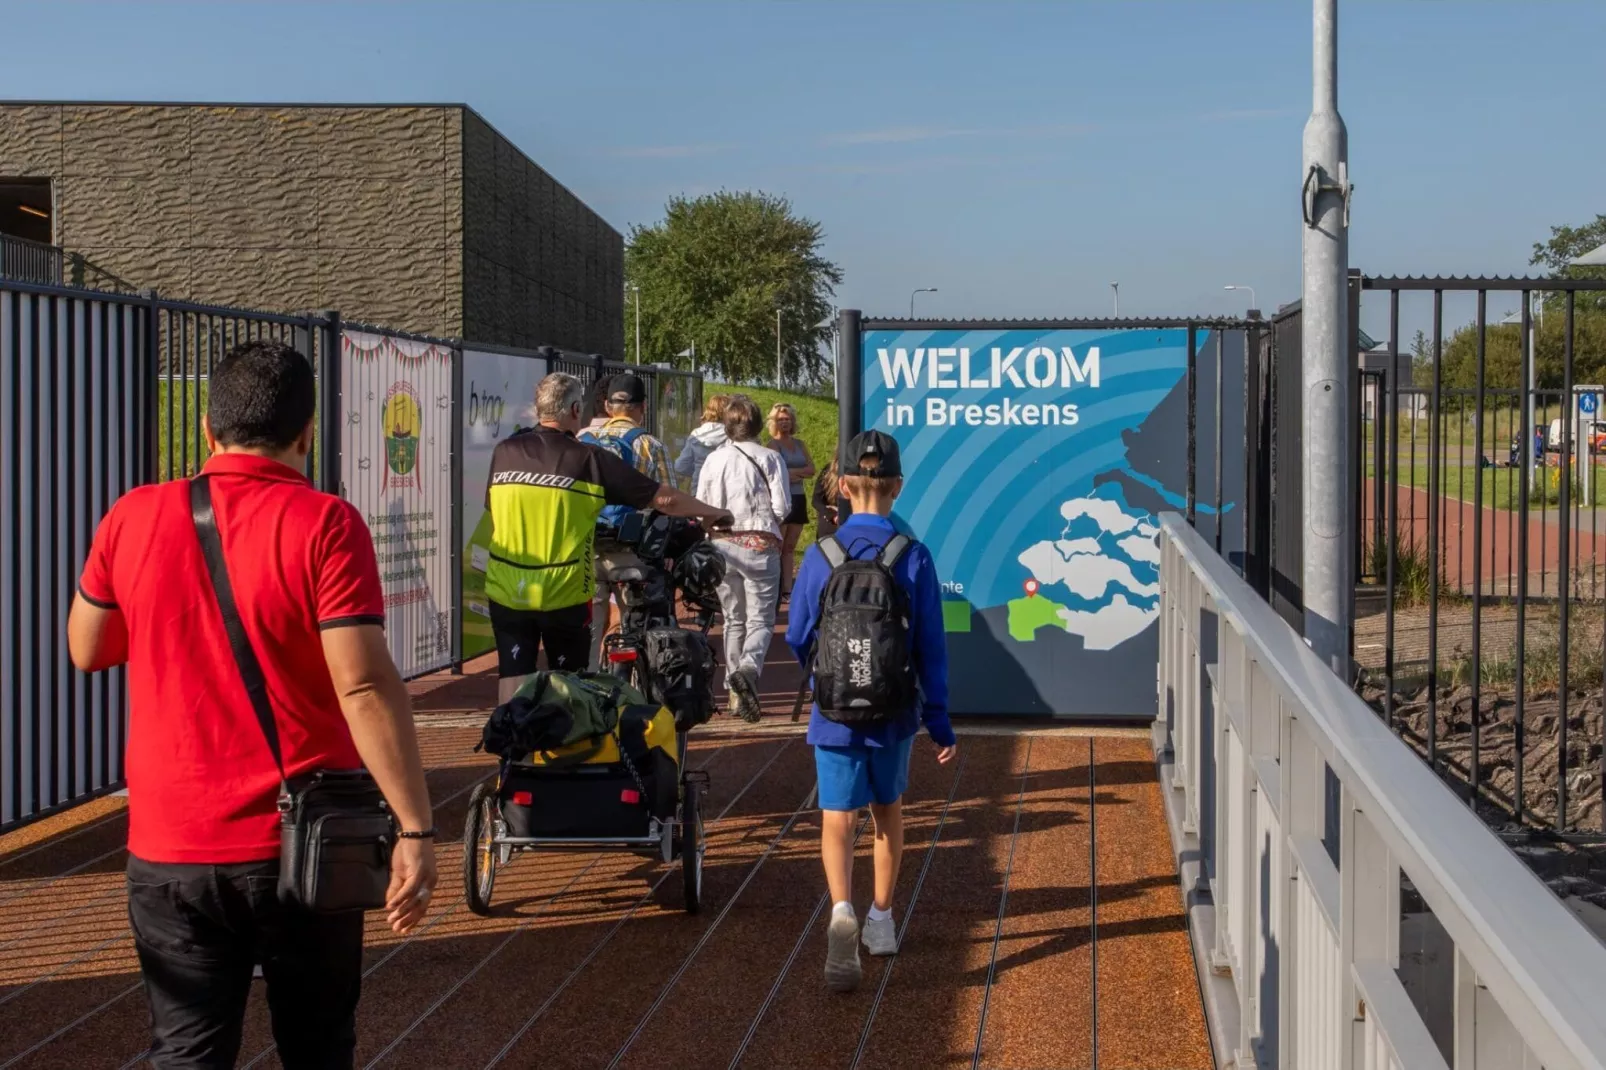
[867, 619]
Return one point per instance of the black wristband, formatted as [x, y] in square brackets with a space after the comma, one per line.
[425, 834]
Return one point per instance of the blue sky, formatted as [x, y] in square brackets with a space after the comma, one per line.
[1018, 156]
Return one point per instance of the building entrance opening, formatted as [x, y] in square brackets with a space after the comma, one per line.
[25, 208]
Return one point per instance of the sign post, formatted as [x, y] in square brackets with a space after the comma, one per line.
[1586, 410]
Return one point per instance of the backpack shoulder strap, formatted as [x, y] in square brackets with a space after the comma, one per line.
[835, 555]
[630, 436]
[894, 550]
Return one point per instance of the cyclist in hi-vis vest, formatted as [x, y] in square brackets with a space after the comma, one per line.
[545, 493]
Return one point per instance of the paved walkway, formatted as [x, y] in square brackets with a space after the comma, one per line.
[588, 961]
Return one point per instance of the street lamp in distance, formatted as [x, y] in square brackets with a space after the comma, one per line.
[922, 290]
[1251, 289]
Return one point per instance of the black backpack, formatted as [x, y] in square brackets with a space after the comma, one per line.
[863, 672]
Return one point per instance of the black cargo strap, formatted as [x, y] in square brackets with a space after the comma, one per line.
[245, 657]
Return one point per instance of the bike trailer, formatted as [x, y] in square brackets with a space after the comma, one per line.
[607, 787]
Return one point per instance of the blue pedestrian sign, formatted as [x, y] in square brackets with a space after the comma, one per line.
[1586, 404]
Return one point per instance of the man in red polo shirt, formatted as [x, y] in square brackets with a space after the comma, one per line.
[203, 828]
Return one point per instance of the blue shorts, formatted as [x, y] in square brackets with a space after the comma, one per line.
[851, 777]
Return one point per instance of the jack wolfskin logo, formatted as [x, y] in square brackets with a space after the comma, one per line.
[859, 662]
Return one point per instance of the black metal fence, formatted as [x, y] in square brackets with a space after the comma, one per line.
[1480, 533]
[34, 262]
[99, 393]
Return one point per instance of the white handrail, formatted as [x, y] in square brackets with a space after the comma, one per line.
[1250, 717]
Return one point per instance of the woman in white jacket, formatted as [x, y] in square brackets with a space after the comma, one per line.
[749, 481]
[707, 437]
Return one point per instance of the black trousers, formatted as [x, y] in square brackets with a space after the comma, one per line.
[201, 930]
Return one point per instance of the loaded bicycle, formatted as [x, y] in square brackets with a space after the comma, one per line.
[628, 788]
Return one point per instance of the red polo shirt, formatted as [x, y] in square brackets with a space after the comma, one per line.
[202, 786]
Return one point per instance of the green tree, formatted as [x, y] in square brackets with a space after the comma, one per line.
[1567, 244]
[713, 273]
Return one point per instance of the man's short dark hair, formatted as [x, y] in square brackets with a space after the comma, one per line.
[599, 396]
[742, 420]
[262, 396]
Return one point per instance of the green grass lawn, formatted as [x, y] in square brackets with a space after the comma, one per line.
[1502, 487]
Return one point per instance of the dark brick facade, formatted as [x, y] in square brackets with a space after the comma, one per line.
[422, 218]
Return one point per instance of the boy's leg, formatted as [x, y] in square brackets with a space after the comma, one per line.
[888, 851]
[844, 786]
[836, 853]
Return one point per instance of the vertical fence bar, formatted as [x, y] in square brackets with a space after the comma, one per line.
[330, 390]
[1193, 425]
[458, 535]
[1564, 537]
[1393, 489]
[1435, 558]
[1220, 371]
[1519, 713]
[1477, 545]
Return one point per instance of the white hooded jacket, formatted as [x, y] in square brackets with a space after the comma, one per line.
[699, 444]
[750, 481]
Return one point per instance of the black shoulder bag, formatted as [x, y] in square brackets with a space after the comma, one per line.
[335, 829]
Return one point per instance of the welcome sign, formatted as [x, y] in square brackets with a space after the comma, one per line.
[1036, 463]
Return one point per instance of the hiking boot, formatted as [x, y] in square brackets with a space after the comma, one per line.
[744, 695]
[842, 970]
[880, 936]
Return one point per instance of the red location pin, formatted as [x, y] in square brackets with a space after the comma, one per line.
[1031, 588]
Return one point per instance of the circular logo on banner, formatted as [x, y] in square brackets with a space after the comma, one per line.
[402, 421]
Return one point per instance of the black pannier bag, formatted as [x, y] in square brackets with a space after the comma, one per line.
[680, 668]
[579, 797]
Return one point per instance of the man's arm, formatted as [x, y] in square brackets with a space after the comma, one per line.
[674, 502]
[97, 636]
[623, 485]
[350, 611]
[805, 605]
[97, 633]
[379, 713]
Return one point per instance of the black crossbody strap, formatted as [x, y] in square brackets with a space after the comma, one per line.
[245, 658]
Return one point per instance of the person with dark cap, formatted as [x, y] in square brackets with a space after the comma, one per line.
[624, 434]
[877, 677]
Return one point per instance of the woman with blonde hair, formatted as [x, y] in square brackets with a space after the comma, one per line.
[799, 466]
[707, 437]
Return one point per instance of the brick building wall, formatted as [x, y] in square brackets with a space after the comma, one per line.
[422, 217]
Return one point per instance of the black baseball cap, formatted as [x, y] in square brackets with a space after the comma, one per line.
[876, 444]
[627, 388]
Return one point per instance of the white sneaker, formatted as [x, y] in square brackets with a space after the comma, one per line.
[842, 970]
[880, 936]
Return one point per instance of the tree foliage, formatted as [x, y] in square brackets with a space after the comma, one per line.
[1503, 343]
[714, 271]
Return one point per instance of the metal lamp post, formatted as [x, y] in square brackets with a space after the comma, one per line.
[1115, 288]
[922, 290]
[1251, 289]
[636, 293]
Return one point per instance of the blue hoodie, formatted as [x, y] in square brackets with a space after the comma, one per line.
[863, 535]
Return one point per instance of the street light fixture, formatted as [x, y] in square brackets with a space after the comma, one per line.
[1251, 289]
[1115, 287]
[922, 290]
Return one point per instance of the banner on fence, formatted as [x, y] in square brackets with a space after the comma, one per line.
[1036, 463]
[396, 466]
[498, 394]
